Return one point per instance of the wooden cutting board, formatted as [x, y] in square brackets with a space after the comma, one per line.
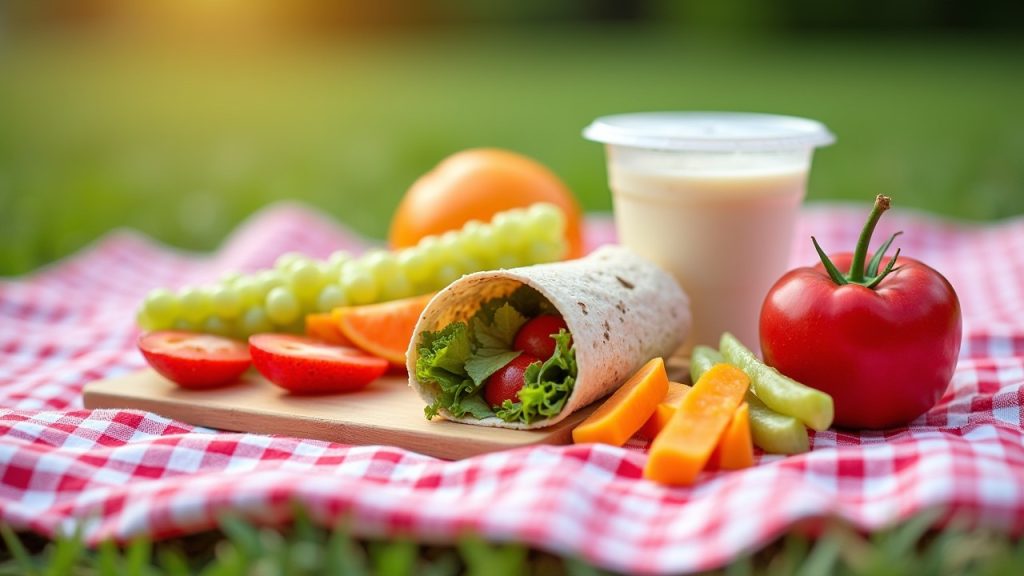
[386, 412]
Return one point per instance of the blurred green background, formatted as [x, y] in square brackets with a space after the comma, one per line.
[181, 118]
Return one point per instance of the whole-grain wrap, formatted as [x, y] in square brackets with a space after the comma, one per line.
[621, 310]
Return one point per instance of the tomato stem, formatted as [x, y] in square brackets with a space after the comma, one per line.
[833, 272]
[856, 274]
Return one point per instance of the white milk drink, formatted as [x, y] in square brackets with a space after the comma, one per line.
[712, 198]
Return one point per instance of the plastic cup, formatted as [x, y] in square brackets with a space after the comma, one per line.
[713, 198]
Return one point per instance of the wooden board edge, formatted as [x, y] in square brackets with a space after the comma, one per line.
[324, 429]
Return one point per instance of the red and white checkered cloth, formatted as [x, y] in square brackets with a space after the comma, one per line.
[121, 473]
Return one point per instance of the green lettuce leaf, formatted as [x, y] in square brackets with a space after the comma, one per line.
[458, 359]
[497, 330]
[548, 385]
[487, 361]
[477, 407]
[442, 361]
[447, 349]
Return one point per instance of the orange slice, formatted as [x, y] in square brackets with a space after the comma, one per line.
[324, 326]
[383, 329]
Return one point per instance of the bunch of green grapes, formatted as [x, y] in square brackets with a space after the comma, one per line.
[278, 299]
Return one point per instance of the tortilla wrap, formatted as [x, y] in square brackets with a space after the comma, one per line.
[621, 309]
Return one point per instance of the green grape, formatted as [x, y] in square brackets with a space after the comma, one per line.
[249, 290]
[506, 260]
[144, 321]
[359, 285]
[428, 242]
[545, 221]
[480, 241]
[161, 306]
[445, 275]
[226, 301]
[412, 263]
[270, 279]
[336, 260]
[298, 326]
[448, 252]
[185, 325]
[195, 304]
[510, 228]
[285, 261]
[380, 264]
[430, 248]
[253, 321]
[266, 281]
[450, 244]
[467, 265]
[330, 297]
[280, 297]
[545, 251]
[230, 277]
[217, 325]
[307, 278]
[346, 269]
[423, 286]
[470, 230]
[396, 287]
[282, 306]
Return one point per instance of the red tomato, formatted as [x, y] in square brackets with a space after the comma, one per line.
[506, 383]
[307, 366]
[194, 361]
[885, 353]
[534, 337]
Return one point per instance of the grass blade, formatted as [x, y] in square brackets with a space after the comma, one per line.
[243, 536]
[172, 562]
[743, 566]
[108, 558]
[17, 550]
[394, 558]
[67, 551]
[342, 556]
[138, 557]
[483, 559]
[822, 559]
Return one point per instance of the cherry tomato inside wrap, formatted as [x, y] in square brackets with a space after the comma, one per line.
[882, 339]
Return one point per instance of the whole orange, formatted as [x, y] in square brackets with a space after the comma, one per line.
[476, 184]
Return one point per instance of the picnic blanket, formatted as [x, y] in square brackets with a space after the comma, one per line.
[123, 473]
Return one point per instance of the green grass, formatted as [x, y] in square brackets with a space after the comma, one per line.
[184, 143]
[303, 549]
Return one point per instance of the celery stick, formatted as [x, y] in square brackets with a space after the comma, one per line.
[702, 358]
[784, 395]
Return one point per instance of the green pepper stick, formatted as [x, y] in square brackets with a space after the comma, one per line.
[771, 431]
[784, 395]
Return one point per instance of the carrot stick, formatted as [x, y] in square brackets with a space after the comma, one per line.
[736, 448]
[664, 411]
[627, 409]
[682, 449]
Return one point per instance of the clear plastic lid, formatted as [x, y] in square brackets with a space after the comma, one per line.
[709, 131]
